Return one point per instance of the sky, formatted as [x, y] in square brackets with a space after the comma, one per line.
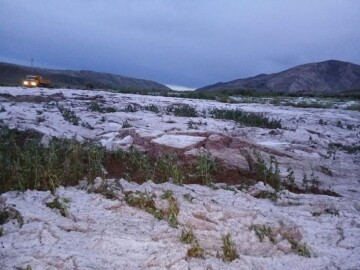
[187, 43]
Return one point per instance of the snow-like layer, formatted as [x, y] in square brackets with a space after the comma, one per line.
[104, 234]
[178, 141]
[108, 234]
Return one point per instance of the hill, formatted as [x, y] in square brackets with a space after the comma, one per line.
[328, 77]
[12, 74]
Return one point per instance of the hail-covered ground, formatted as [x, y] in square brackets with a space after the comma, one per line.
[295, 231]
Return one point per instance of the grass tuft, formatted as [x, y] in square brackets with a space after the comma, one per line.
[26, 164]
[196, 251]
[248, 119]
[69, 115]
[182, 110]
[229, 251]
[62, 206]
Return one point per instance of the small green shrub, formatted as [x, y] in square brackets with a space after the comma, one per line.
[152, 108]
[246, 118]
[26, 164]
[229, 251]
[95, 107]
[353, 107]
[69, 115]
[182, 110]
[62, 206]
[262, 231]
[196, 251]
[187, 236]
[145, 202]
[349, 149]
[269, 174]
[8, 213]
[267, 195]
[169, 169]
[132, 108]
[300, 249]
[206, 165]
[126, 124]
[195, 125]
[188, 197]
[173, 211]
[308, 104]
[87, 125]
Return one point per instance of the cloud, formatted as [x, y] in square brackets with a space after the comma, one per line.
[180, 42]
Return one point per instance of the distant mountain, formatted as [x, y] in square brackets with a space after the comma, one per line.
[327, 77]
[11, 74]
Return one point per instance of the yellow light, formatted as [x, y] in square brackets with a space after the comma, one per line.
[33, 83]
[26, 83]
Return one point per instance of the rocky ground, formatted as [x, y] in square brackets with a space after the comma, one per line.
[95, 232]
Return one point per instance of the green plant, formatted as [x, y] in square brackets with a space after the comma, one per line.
[126, 124]
[182, 110]
[339, 124]
[269, 174]
[229, 251]
[95, 107]
[188, 197]
[145, 202]
[173, 211]
[205, 166]
[290, 178]
[322, 122]
[246, 118]
[87, 125]
[152, 108]
[349, 149]
[300, 249]
[353, 107]
[40, 119]
[110, 109]
[196, 251]
[308, 104]
[62, 206]
[169, 169]
[195, 125]
[26, 164]
[262, 231]
[132, 108]
[10, 213]
[187, 236]
[69, 115]
[263, 194]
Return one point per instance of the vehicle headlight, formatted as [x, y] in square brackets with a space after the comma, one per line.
[33, 83]
[26, 83]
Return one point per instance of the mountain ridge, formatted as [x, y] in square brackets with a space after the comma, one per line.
[13, 74]
[330, 76]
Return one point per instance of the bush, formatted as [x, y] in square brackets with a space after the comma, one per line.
[246, 118]
[69, 115]
[95, 107]
[269, 174]
[152, 108]
[182, 110]
[353, 107]
[26, 164]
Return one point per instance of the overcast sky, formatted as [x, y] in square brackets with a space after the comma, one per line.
[190, 43]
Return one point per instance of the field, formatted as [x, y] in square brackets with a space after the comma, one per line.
[177, 183]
